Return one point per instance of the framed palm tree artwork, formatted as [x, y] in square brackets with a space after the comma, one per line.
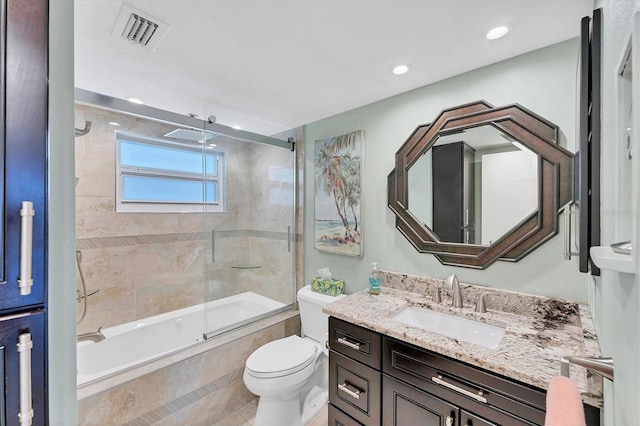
[338, 191]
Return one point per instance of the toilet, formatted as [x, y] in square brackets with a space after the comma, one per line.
[290, 375]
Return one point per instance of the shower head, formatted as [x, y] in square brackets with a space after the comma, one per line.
[191, 135]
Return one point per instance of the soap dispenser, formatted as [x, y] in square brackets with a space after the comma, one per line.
[374, 280]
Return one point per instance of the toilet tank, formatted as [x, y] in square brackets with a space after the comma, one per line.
[315, 323]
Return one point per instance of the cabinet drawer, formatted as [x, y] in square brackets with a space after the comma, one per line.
[355, 342]
[354, 388]
[338, 418]
[483, 393]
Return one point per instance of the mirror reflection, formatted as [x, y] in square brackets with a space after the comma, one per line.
[482, 181]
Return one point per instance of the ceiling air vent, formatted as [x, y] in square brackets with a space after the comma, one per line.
[139, 28]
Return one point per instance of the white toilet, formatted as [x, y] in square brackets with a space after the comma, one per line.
[290, 375]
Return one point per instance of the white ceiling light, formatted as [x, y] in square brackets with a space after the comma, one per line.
[400, 69]
[497, 32]
[235, 126]
[113, 123]
[135, 101]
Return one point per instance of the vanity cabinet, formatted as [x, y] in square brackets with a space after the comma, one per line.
[379, 380]
[430, 380]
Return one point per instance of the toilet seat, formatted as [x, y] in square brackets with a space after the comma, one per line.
[281, 357]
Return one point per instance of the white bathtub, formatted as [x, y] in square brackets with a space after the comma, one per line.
[137, 342]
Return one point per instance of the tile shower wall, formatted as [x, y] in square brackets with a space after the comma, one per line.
[147, 264]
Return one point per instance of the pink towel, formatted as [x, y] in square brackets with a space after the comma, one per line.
[564, 405]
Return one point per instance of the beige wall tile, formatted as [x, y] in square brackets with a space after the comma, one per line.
[168, 294]
[108, 307]
[126, 402]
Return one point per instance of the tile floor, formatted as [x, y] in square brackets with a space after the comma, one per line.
[244, 416]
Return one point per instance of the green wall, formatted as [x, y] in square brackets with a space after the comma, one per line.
[543, 81]
[617, 297]
[61, 226]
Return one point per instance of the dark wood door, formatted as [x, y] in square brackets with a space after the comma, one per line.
[23, 148]
[23, 142]
[452, 174]
[469, 419]
[22, 368]
[405, 405]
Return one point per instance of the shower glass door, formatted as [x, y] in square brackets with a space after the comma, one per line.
[249, 266]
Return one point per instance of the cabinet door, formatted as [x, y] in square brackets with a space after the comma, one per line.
[405, 405]
[22, 386]
[468, 419]
[23, 150]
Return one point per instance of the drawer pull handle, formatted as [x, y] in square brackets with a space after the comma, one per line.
[25, 281]
[349, 344]
[477, 397]
[354, 394]
[25, 344]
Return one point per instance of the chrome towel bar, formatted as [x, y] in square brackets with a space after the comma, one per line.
[601, 366]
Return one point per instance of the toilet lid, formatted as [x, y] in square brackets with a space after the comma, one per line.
[281, 357]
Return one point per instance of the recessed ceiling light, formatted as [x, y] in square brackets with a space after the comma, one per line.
[497, 32]
[235, 126]
[135, 101]
[113, 123]
[400, 69]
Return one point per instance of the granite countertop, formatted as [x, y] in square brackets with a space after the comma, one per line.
[538, 330]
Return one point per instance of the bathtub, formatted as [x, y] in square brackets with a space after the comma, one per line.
[134, 343]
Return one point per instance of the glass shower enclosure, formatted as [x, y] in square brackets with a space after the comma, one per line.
[179, 221]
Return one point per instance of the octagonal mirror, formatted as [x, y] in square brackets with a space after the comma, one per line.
[480, 184]
[473, 187]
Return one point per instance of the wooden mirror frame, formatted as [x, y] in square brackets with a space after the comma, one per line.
[555, 180]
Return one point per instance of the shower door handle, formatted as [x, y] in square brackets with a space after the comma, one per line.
[25, 281]
[25, 344]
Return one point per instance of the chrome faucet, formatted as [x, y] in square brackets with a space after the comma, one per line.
[436, 293]
[454, 284]
[94, 336]
[481, 305]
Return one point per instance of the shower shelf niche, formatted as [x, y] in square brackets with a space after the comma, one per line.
[245, 266]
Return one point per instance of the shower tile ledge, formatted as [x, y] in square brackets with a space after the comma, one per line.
[92, 388]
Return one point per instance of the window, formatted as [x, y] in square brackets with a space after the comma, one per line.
[162, 176]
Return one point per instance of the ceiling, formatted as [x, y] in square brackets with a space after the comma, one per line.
[271, 65]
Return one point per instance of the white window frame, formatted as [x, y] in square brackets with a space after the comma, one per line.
[146, 206]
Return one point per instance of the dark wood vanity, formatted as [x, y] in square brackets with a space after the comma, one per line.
[376, 379]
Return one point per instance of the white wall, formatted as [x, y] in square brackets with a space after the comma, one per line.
[61, 271]
[543, 81]
[509, 191]
[617, 299]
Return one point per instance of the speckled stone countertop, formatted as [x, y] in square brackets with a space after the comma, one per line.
[538, 330]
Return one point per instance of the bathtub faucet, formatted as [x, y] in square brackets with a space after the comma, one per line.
[94, 336]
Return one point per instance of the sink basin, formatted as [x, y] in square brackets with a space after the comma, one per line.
[459, 328]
